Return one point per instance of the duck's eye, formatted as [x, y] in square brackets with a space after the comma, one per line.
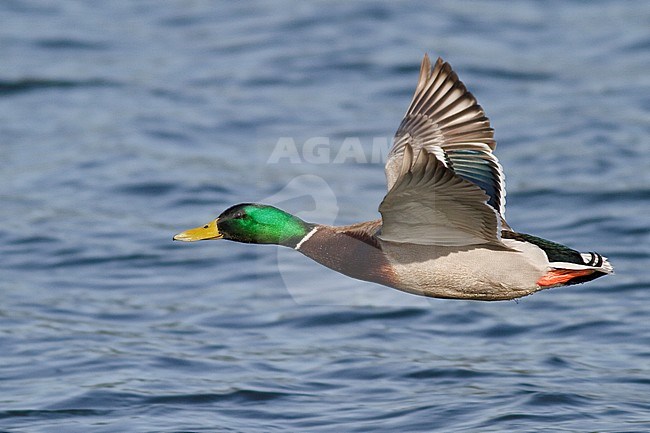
[239, 215]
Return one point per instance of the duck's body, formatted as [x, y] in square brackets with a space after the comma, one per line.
[443, 232]
[481, 272]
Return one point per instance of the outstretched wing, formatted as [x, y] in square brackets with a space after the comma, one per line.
[445, 120]
[430, 205]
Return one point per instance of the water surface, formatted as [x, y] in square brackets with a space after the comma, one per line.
[122, 123]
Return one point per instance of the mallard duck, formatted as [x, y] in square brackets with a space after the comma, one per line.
[442, 231]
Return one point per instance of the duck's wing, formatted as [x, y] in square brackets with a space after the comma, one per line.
[445, 120]
[429, 204]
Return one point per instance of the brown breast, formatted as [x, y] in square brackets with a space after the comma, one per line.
[350, 250]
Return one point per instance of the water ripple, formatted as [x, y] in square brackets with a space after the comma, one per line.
[240, 396]
[25, 85]
[69, 44]
[53, 414]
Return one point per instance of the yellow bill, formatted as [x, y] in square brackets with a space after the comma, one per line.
[208, 231]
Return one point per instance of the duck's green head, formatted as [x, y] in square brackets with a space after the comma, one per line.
[251, 223]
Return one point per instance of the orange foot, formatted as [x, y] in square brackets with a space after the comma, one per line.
[557, 277]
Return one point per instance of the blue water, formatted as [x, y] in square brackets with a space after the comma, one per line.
[122, 123]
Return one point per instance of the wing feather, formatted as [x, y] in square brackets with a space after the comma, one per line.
[445, 120]
[430, 205]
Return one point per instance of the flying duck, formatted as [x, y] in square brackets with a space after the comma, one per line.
[442, 231]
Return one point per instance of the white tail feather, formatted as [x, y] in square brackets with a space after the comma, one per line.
[591, 261]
